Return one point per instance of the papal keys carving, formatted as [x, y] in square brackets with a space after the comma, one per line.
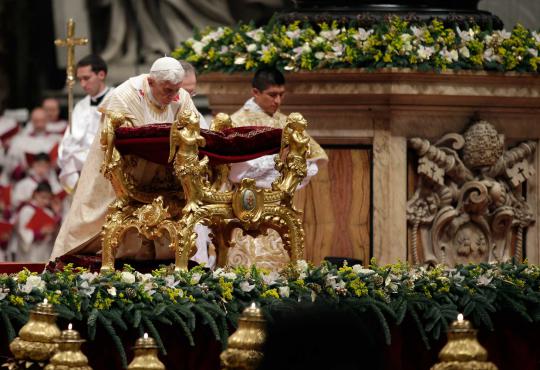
[468, 204]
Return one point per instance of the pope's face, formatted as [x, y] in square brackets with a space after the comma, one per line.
[269, 99]
[164, 92]
[91, 82]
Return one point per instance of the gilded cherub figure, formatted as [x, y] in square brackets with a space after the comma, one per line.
[185, 142]
[296, 138]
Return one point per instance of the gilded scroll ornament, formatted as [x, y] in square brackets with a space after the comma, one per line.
[468, 205]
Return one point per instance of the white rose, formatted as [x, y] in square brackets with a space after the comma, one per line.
[251, 48]
[319, 55]
[128, 277]
[33, 281]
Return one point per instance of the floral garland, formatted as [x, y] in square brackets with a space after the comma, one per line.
[393, 43]
[129, 299]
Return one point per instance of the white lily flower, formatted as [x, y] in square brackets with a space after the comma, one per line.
[484, 280]
[88, 276]
[195, 278]
[246, 286]
[330, 34]
[112, 291]
[256, 34]
[284, 291]
[270, 278]
[198, 47]
[86, 289]
[359, 269]
[293, 35]
[465, 52]
[362, 34]
[425, 52]
[240, 60]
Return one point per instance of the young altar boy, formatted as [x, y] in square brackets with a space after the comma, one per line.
[36, 225]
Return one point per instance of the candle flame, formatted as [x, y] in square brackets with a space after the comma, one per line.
[45, 301]
[70, 326]
[253, 305]
[460, 317]
[145, 336]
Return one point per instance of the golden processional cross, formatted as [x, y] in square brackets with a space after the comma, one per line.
[70, 42]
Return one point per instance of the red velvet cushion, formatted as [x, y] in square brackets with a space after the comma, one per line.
[237, 144]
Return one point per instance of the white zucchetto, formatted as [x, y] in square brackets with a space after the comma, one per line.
[166, 64]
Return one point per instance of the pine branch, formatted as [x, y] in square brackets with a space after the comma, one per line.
[208, 319]
[109, 328]
[10, 332]
[177, 319]
[155, 334]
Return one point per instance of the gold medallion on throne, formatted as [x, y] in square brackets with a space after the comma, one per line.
[248, 201]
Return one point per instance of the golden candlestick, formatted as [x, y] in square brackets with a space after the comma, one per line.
[36, 340]
[69, 355]
[463, 351]
[146, 355]
[70, 42]
[244, 348]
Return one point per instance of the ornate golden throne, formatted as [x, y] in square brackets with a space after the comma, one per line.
[189, 190]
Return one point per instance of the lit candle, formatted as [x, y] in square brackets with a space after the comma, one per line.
[45, 301]
[145, 336]
[253, 305]
[70, 326]
[460, 317]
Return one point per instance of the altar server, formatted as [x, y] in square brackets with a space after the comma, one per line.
[91, 73]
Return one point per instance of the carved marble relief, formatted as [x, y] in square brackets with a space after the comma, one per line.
[468, 204]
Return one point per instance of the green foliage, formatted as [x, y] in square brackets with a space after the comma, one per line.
[130, 302]
[389, 44]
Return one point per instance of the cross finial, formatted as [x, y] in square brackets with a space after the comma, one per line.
[70, 42]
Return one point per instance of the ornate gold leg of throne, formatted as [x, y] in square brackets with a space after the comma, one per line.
[248, 205]
[151, 214]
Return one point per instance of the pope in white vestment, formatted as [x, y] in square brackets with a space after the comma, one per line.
[147, 99]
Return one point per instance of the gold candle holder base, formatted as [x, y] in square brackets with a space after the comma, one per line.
[245, 344]
[69, 355]
[36, 340]
[146, 355]
[462, 351]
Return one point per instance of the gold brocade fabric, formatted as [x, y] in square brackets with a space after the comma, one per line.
[81, 229]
